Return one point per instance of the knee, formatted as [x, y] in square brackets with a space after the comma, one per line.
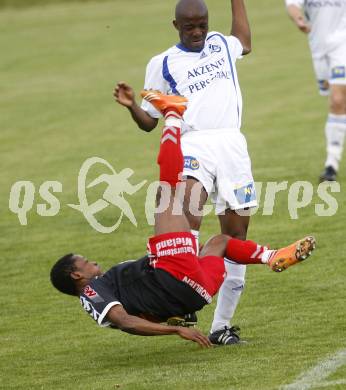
[337, 103]
[219, 240]
[215, 246]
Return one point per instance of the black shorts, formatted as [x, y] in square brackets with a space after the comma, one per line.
[156, 293]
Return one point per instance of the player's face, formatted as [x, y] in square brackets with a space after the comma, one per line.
[192, 31]
[86, 268]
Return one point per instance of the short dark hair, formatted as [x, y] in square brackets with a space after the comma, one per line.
[60, 274]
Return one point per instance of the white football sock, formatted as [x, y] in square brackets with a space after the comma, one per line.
[267, 255]
[229, 295]
[335, 135]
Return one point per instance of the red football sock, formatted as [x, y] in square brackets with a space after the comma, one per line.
[244, 252]
[170, 158]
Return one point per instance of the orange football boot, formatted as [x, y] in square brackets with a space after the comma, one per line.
[164, 103]
[292, 254]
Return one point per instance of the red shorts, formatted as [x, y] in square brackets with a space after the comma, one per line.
[175, 253]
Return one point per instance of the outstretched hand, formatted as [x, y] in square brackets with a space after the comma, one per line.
[194, 335]
[124, 94]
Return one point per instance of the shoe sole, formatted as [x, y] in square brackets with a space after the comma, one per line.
[304, 249]
[164, 102]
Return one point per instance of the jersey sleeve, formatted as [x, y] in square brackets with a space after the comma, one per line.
[154, 80]
[235, 46]
[298, 3]
[97, 299]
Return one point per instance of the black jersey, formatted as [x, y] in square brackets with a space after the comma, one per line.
[141, 290]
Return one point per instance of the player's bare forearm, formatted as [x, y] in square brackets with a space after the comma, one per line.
[135, 325]
[141, 327]
[240, 25]
[143, 120]
[124, 94]
[296, 14]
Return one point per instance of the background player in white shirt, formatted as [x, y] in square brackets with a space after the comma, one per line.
[325, 23]
[202, 68]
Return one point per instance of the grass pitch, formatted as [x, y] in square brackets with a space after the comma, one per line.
[58, 66]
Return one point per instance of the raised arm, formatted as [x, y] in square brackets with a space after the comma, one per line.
[296, 14]
[240, 25]
[138, 326]
[124, 95]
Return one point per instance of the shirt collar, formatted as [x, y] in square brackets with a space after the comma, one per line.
[183, 48]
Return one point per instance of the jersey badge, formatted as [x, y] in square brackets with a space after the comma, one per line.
[338, 72]
[245, 194]
[214, 48]
[191, 163]
[92, 294]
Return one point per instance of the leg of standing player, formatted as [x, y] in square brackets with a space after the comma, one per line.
[331, 75]
[236, 226]
[233, 225]
[335, 131]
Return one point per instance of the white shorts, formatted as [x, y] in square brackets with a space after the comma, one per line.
[219, 160]
[331, 68]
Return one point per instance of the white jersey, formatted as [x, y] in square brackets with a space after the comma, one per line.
[207, 78]
[328, 24]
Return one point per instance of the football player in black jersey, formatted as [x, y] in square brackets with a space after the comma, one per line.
[137, 296]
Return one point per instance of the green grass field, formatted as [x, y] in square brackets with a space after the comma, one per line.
[58, 66]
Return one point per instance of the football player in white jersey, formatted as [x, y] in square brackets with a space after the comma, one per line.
[325, 24]
[201, 67]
